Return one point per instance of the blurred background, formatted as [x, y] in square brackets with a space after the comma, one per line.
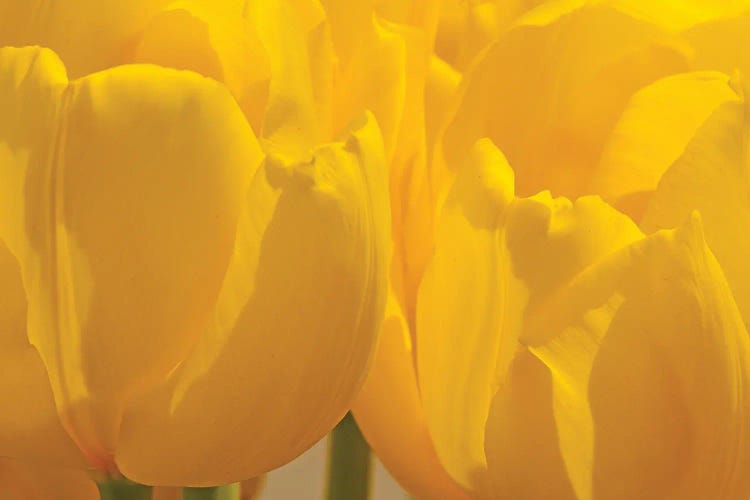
[305, 479]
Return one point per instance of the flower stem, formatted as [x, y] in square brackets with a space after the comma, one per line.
[228, 492]
[120, 489]
[349, 461]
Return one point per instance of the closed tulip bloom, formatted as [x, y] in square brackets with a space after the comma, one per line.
[580, 330]
[572, 356]
[194, 256]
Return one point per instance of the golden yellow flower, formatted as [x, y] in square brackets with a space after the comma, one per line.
[594, 348]
[194, 262]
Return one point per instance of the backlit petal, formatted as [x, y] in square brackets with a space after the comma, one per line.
[29, 426]
[24, 481]
[497, 260]
[299, 47]
[677, 15]
[388, 410]
[521, 440]
[214, 42]
[652, 133]
[121, 194]
[455, 363]
[713, 177]
[89, 35]
[649, 361]
[69, 28]
[373, 70]
[550, 89]
[718, 43]
[295, 326]
[466, 28]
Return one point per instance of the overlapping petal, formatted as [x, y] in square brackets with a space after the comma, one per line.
[154, 247]
[206, 282]
[562, 354]
[298, 115]
[647, 358]
[389, 411]
[680, 15]
[20, 480]
[521, 436]
[718, 42]
[467, 27]
[293, 330]
[712, 176]
[577, 111]
[29, 425]
[497, 258]
[121, 195]
[214, 41]
[551, 88]
[88, 35]
[653, 132]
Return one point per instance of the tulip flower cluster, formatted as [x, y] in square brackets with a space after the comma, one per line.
[512, 236]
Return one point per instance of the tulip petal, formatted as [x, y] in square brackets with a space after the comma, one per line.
[453, 370]
[295, 326]
[69, 28]
[466, 28]
[298, 44]
[213, 42]
[383, 65]
[550, 89]
[375, 79]
[23, 481]
[252, 488]
[412, 202]
[677, 15]
[121, 195]
[442, 83]
[649, 360]
[712, 177]
[29, 426]
[388, 410]
[31, 429]
[652, 133]
[718, 43]
[497, 259]
[88, 35]
[521, 440]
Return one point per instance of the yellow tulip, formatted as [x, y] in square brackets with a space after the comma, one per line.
[177, 293]
[556, 341]
[582, 349]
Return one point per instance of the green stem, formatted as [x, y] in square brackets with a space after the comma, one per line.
[349, 461]
[228, 492]
[120, 489]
